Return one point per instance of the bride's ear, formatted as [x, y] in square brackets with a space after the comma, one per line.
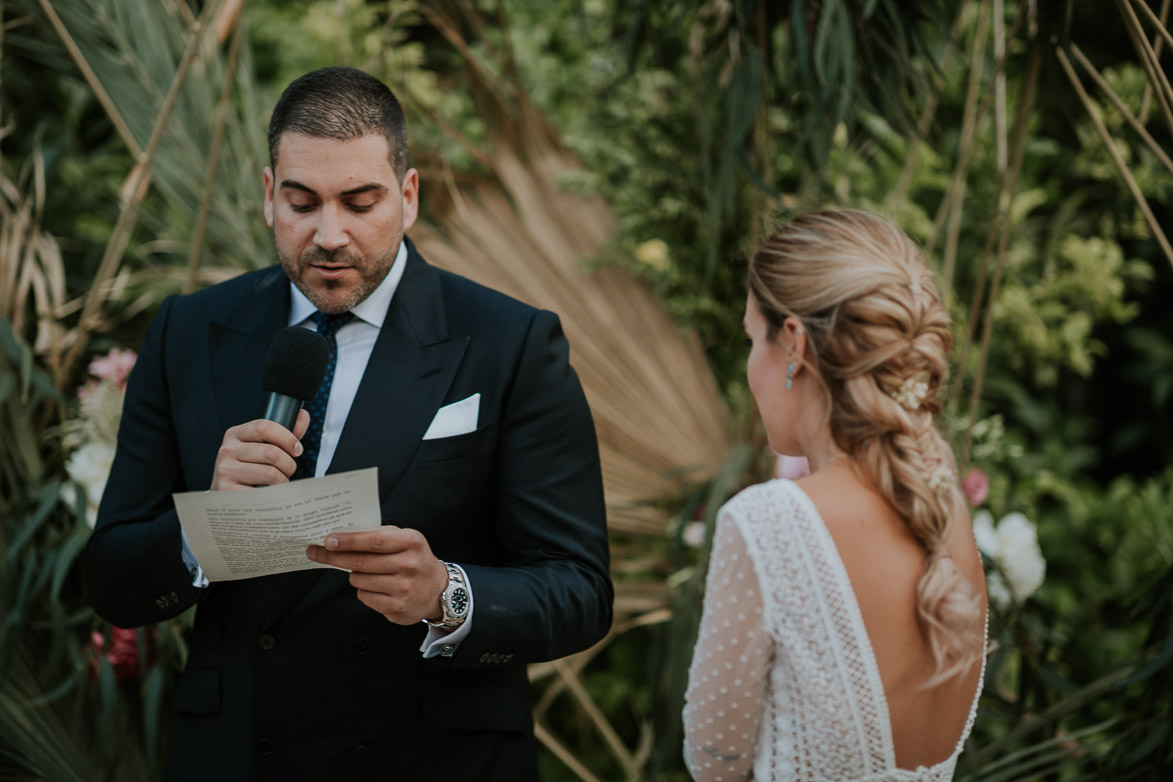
[794, 338]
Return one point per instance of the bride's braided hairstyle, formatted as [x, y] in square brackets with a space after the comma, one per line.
[878, 337]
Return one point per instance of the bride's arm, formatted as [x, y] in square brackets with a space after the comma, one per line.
[727, 679]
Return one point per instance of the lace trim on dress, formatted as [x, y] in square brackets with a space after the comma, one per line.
[868, 656]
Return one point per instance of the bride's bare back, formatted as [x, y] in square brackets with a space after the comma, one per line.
[884, 563]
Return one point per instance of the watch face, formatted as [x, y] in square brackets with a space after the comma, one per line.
[459, 601]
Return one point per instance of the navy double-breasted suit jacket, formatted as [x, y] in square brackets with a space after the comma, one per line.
[290, 676]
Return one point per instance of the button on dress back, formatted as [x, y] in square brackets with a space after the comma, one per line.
[328, 326]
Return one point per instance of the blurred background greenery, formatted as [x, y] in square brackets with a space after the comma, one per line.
[1024, 143]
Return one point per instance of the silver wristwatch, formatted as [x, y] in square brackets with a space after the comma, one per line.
[454, 599]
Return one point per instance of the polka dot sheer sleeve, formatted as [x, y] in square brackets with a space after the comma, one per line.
[728, 677]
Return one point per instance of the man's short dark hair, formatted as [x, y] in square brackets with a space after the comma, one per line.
[341, 104]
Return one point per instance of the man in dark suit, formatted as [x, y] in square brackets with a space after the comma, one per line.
[490, 490]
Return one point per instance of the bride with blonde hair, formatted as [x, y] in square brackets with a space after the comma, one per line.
[843, 631]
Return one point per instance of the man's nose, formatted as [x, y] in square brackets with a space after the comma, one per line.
[331, 233]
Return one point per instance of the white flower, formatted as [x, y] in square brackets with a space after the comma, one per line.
[911, 394]
[101, 411]
[89, 466]
[694, 534]
[983, 533]
[941, 479]
[1013, 546]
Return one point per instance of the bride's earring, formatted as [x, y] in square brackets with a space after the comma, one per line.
[789, 376]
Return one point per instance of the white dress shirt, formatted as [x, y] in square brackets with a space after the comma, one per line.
[356, 340]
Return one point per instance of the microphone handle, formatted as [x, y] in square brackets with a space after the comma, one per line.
[283, 409]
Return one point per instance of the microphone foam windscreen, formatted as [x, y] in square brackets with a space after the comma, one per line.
[296, 363]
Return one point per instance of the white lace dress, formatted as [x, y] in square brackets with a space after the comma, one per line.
[784, 684]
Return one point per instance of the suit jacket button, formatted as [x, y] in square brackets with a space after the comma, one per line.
[264, 746]
[362, 646]
[266, 642]
[361, 752]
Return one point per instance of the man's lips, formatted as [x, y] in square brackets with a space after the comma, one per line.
[330, 271]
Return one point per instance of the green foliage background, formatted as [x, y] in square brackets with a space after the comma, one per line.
[701, 125]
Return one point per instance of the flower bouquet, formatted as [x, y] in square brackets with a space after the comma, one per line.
[92, 435]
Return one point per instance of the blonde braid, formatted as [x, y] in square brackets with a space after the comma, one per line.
[879, 339]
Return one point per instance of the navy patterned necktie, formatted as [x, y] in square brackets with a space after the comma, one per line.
[328, 326]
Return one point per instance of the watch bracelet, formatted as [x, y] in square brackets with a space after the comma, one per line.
[455, 578]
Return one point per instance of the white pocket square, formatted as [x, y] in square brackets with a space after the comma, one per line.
[456, 418]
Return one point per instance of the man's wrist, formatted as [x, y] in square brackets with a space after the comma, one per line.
[442, 579]
[455, 600]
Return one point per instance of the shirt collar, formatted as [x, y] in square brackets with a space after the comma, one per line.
[372, 309]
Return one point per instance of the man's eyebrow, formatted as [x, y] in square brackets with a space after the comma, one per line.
[373, 186]
[293, 184]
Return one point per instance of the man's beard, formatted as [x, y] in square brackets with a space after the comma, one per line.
[324, 294]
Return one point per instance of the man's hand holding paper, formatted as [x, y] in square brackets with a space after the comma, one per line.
[393, 569]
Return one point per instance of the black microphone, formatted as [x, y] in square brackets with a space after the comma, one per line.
[294, 368]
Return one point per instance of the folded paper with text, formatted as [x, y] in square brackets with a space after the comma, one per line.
[261, 531]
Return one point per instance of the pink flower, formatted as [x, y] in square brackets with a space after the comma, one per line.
[115, 366]
[122, 654]
[976, 487]
[792, 467]
[87, 389]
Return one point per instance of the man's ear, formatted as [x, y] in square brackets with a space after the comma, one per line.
[269, 184]
[411, 198]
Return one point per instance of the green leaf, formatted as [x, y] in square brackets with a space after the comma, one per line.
[65, 559]
[7, 385]
[1043, 757]
[16, 610]
[1162, 661]
[9, 341]
[1155, 740]
[152, 710]
[50, 498]
[62, 689]
[106, 696]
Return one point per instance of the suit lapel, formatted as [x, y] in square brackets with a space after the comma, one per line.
[239, 344]
[409, 373]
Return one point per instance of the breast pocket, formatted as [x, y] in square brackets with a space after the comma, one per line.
[461, 446]
[449, 481]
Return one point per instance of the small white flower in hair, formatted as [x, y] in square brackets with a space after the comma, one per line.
[911, 394]
[941, 480]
